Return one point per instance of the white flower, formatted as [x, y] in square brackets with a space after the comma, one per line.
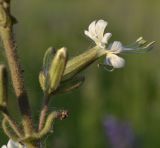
[96, 33]
[111, 58]
[12, 144]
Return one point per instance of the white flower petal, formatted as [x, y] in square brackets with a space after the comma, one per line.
[4, 146]
[96, 33]
[116, 47]
[106, 37]
[99, 28]
[115, 61]
[92, 28]
[89, 35]
[12, 144]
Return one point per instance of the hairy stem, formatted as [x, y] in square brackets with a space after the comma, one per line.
[17, 79]
[14, 65]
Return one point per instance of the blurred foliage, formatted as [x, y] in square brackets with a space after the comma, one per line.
[131, 93]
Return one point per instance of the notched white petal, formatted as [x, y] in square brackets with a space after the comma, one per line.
[100, 27]
[115, 61]
[116, 47]
[87, 34]
[96, 33]
[92, 28]
[106, 37]
[12, 144]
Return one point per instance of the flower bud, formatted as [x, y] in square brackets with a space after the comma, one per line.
[47, 59]
[42, 80]
[56, 70]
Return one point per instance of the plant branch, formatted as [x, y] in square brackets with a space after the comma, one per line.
[6, 27]
[11, 122]
[62, 114]
[43, 112]
[7, 130]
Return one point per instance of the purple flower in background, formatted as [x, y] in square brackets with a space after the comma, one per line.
[119, 133]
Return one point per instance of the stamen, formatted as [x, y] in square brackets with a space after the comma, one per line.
[135, 52]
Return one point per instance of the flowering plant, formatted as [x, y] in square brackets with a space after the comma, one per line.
[58, 74]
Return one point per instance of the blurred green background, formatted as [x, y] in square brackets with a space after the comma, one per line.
[131, 94]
